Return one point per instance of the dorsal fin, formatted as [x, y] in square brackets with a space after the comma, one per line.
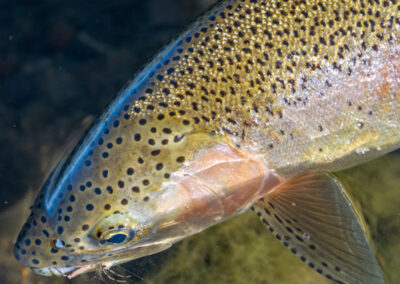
[312, 216]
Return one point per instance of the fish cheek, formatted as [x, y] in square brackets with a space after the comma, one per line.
[215, 184]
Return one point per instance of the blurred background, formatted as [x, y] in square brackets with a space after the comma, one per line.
[61, 63]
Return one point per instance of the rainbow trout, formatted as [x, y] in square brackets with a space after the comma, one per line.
[251, 107]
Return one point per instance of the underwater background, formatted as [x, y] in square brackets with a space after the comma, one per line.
[61, 63]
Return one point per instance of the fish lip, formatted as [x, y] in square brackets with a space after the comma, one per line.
[69, 272]
[72, 272]
[54, 271]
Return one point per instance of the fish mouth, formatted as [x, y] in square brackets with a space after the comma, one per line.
[69, 272]
[73, 271]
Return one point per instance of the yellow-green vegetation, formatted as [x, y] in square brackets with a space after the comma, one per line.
[376, 187]
[238, 251]
[243, 251]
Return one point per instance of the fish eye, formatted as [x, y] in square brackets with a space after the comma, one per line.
[117, 229]
[116, 236]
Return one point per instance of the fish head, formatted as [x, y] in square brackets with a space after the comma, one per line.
[131, 189]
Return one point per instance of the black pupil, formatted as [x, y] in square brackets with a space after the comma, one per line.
[117, 238]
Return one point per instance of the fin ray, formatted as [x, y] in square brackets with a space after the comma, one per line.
[312, 216]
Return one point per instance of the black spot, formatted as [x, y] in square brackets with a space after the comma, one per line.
[89, 207]
[277, 218]
[109, 189]
[35, 261]
[167, 131]
[46, 233]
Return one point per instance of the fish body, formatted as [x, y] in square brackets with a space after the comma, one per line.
[251, 96]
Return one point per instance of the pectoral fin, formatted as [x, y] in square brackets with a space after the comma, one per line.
[312, 216]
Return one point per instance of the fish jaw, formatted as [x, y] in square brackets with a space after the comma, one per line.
[124, 255]
[69, 272]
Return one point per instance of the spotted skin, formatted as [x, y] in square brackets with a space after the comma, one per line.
[309, 84]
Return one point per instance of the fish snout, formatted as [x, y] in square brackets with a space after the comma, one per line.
[34, 240]
[23, 246]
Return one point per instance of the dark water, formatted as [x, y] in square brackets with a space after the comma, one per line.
[61, 62]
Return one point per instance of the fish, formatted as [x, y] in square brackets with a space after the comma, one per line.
[253, 107]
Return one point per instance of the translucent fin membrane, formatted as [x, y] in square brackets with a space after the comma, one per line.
[311, 216]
